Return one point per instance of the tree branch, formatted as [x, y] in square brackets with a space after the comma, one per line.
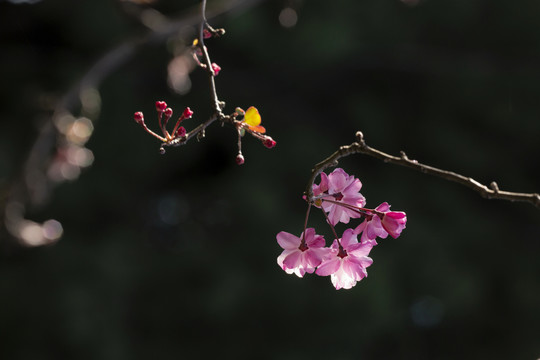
[33, 185]
[491, 192]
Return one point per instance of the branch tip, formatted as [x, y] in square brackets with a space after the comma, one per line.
[403, 155]
[360, 137]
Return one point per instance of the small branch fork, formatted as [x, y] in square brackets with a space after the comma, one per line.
[360, 147]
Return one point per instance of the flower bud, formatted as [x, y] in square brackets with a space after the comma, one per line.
[161, 106]
[394, 222]
[187, 113]
[168, 112]
[139, 118]
[181, 132]
[207, 34]
[269, 142]
[216, 68]
[239, 159]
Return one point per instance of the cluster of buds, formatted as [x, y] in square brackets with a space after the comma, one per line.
[164, 114]
[345, 261]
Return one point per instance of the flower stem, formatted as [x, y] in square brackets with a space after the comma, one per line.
[305, 224]
[332, 227]
[359, 210]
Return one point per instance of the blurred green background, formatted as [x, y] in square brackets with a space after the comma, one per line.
[174, 256]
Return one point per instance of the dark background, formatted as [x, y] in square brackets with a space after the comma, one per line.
[174, 256]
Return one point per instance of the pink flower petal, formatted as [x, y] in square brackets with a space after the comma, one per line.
[287, 240]
[328, 267]
[282, 257]
[293, 260]
[384, 207]
[353, 270]
[360, 227]
[312, 239]
[353, 188]
[348, 238]
[342, 280]
[375, 229]
[337, 181]
[361, 261]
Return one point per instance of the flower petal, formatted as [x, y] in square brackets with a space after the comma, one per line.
[293, 260]
[348, 238]
[353, 188]
[282, 257]
[337, 181]
[287, 240]
[328, 267]
[384, 207]
[342, 280]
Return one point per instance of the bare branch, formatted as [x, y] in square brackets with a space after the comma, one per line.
[360, 147]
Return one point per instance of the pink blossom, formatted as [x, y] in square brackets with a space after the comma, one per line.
[371, 227]
[346, 264]
[381, 223]
[394, 222]
[342, 188]
[300, 256]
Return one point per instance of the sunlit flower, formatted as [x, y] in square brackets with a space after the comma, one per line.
[341, 188]
[301, 256]
[371, 227]
[346, 264]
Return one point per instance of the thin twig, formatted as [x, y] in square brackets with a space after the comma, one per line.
[360, 147]
[211, 75]
[216, 103]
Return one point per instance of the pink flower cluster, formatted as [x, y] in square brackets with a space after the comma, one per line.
[346, 259]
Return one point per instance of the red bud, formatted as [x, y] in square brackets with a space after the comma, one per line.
[161, 106]
[139, 118]
[187, 113]
[269, 143]
[239, 159]
[181, 132]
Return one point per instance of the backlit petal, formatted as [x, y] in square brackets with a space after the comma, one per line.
[252, 116]
[287, 240]
[329, 267]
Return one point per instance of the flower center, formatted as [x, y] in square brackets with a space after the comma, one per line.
[342, 252]
[303, 246]
[338, 196]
